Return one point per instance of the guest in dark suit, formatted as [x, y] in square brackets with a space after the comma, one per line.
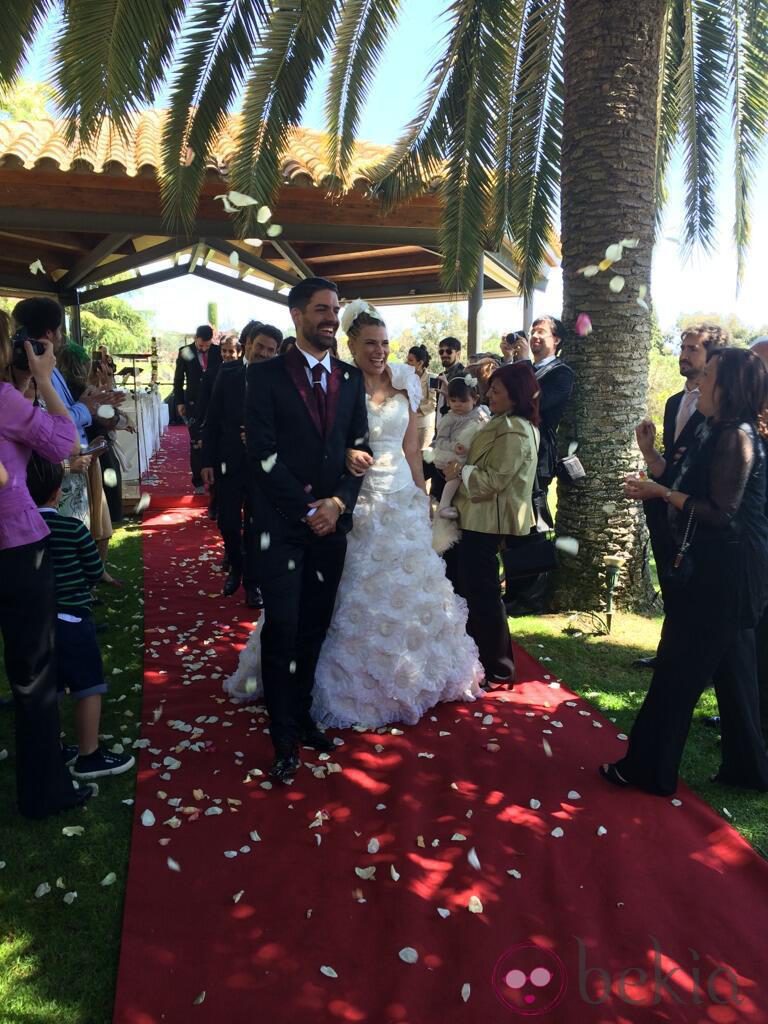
[681, 425]
[192, 362]
[718, 591]
[303, 411]
[224, 456]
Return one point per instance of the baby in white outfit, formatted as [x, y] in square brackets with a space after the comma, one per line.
[454, 436]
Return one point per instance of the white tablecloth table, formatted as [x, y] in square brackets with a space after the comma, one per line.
[149, 414]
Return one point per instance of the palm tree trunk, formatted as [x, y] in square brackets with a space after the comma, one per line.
[611, 72]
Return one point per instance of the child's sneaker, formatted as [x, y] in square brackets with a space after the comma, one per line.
[448, 513]
[102, 762]
[69, 752]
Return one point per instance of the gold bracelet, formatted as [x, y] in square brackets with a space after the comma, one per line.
[339, 504]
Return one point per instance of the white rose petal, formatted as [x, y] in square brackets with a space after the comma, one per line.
[110, 478]
[366, 873]
[173, 864]
[474, 906]
[147, 818]
[614, 252]
[408, 955]
[590, 271]
[69, 897]
[199, 999]
[546, 747]
[534, 804]
[465, 991]
[473, 859]
[238, 896]
[36, 267]
[630, 243]
[230, 854]
[109, 879]
[264, 541]
[443, 912]
[268, 464]
[72, 830]
[255, 836]
[373, 846]
[234, 259]
[457, 837]
[394, 873]
[42, 890]
[573, 795]
[557, 833]
[514, 873]
[676, 803]
[601, 830]
[263, 215]
[616, 284]
[274, 230]
[105, 412]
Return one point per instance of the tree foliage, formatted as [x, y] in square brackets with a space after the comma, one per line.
[116, 324]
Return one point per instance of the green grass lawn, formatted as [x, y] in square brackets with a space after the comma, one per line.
[58, 962]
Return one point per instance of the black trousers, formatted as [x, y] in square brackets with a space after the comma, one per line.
[691, 654]
[761, 640]
[473, 568]
[233, 520]
[114, 495]
[195, 447]
[27, 620]
[299, 579]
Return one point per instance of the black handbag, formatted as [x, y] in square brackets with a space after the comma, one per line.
[535, 556]
[680, 570]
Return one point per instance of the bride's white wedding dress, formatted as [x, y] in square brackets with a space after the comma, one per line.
[397, 644]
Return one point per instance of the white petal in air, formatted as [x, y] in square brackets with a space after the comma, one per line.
[274, 230]
[591, 270]
[473, 859]
[327, 971]
[373, 846]
[474, 906]
[110, 478]
[42, 890]
[173, 864]
[36, 267]
[109, 879]
[616, 284]
[264, 541]
[408, 955]
[263, 215]
[147, 818]
[105, 412]
[69, 897]
[268, 464]
[234, 259]
[241, 199]
[465, 991]
[630, 243]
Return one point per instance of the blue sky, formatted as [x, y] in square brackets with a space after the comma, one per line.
[705, 282]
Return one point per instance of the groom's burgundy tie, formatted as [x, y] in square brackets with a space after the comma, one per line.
[318, 372]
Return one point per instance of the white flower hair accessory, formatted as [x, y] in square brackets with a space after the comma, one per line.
[470, 381]
[352, 311]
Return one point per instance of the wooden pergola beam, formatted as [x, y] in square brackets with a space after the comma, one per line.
[33, 284]
[239, 285]
[135, 284]
[92, 259]
[254, 262]
[138, 259]
[287, 251]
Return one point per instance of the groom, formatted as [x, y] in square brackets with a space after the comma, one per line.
[303, 410]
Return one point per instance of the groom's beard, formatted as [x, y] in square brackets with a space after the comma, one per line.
[319, 340]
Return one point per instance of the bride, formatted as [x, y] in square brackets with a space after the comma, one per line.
[397, 644]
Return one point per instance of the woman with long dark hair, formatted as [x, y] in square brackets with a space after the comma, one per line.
[716, 590]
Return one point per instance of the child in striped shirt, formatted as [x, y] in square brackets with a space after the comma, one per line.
[77, 567]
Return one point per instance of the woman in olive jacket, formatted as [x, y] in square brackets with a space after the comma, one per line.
[495, 505]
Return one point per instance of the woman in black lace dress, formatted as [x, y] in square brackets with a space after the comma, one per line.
[717, 592]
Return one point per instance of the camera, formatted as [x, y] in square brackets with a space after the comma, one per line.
[434, 383]
[19, 359]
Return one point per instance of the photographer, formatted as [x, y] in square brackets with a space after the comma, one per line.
[27, 602]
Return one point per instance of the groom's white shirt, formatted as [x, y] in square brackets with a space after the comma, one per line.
[312, 362]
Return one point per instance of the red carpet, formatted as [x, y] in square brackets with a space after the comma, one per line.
[649, 911]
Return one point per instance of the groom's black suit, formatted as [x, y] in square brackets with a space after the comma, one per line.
[298, 571]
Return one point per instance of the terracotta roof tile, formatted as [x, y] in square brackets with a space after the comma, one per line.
[30, 142]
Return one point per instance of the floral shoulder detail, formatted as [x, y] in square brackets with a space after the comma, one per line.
[404, 378]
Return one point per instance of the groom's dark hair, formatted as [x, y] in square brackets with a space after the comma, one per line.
[301, 293]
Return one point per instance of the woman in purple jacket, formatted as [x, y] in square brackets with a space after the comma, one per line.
[27, 601]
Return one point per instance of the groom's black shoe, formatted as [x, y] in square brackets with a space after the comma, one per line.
[310, 736]
[232, 583]
[285, 766]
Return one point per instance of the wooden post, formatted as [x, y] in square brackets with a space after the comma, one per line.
[75, 332]
[474, 311]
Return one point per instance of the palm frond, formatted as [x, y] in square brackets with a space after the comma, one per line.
[748, 77]
[417, 157]
[299, 33]
[102, 59]
[472, 114]
[20, 21]
[360, 43]
[213, 60]
[533, 194]
[702, 91]
[668, 111]
[513, 28]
